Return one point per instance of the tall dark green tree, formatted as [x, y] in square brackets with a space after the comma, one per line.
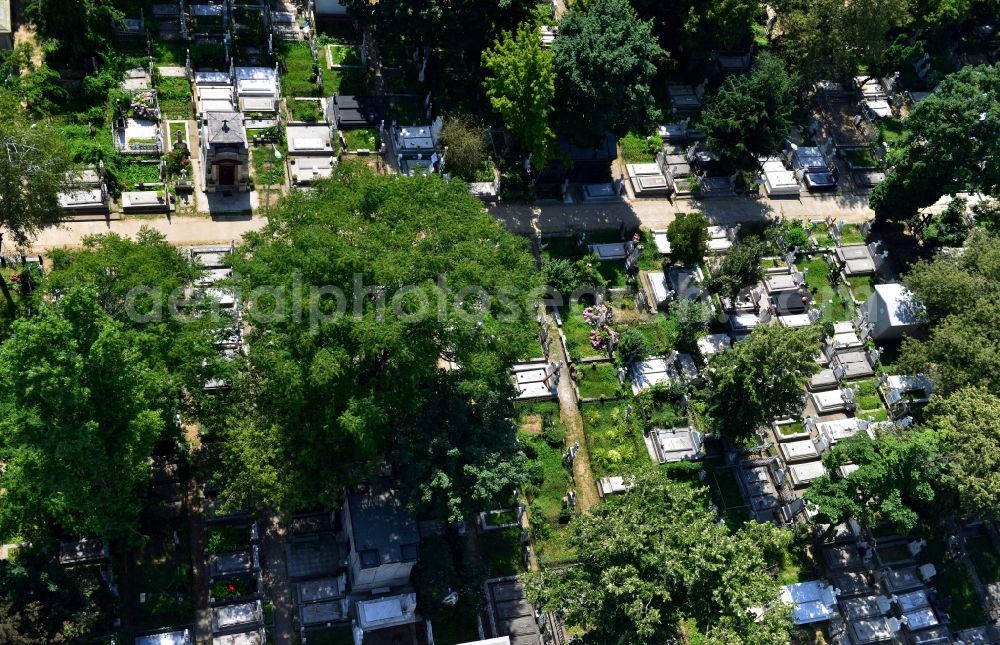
[82, 402]
[739, 269]
[326, 397]
[749, 116]
[968, 424]
[950, 145]
[141, 284]
[657, 556]
[605, 62]
[760, 379]
[33, 166]
[896, 480]
[958, 295]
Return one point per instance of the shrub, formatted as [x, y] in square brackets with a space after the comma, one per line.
[466, 143]
[553, 432]
[631, 347]
[688, 237]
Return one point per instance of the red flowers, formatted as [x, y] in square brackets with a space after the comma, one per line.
[232, 588]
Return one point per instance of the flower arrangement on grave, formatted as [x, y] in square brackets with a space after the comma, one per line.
[600, 317]
[143, 105]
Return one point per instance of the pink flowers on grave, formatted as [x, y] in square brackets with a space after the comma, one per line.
[599, 317]
[143, 105]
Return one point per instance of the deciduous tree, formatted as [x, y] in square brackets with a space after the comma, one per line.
[688, 237]
[896, 479]
[33, 166]
[324, 396]
[749, 116]
[968, 422]
[83, 401]
[950, 145]
[739, 269]
[520, 83]
[658, 555]
[760, 379]
[605, 62]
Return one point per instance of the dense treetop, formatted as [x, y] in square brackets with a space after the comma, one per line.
[317, 384]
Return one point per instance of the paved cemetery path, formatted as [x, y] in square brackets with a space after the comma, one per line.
[525, 219]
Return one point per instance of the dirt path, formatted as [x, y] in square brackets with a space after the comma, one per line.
[569, 413]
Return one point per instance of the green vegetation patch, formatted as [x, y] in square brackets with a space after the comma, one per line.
[639, 149]
[299, 75]
[174, 96]
[616, 446]
[597, 380]
[367, 139]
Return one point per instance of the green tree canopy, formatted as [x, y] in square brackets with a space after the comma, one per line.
[896, 479]
[688, 237]
[82, 402]
[950, 145]
[76, 29]
[466, 143]
[658, 555]
[749, 116]
[739, 269]
[830, 39]
[140, 283]
[959, 295]
[760, 379]
[324, 398]
[968, 422]
[605, 62]
[33, 167]
[520, 83]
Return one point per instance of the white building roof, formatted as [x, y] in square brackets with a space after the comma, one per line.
[900, 304]
[812, 601]
[168, 638]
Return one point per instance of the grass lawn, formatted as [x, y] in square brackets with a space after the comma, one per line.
[174, 96]
[345, 55]
[861, 158]
[365, 138]
[577, 332]
[169, 53]
[616, 447]
[304, 110]
[861, 286]
[985, 558]
[830, 300]
[851, 234]
[821, 235]
[265, 176]
[636, 149]
[502, 549]
[569, 247]
[136, 172]
[773, 263]
[660, 333]
[791, 428]
[869, 402]
[350, 81]
[597, 380]
[891, 130]
[298, 79]
[545, 493]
